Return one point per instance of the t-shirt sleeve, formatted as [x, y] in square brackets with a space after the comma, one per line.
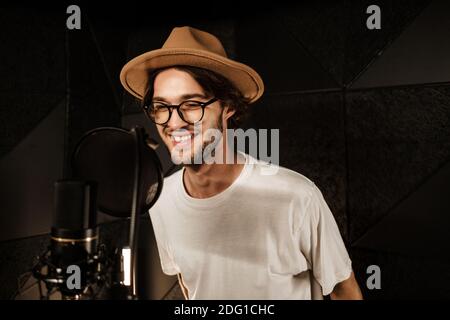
[168, 264]
[322, 245]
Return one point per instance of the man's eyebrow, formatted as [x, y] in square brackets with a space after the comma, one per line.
[183, 97]
[193, 95]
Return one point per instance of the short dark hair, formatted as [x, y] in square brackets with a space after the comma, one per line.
[214, 85]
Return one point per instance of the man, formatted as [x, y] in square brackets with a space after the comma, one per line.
[229, 231]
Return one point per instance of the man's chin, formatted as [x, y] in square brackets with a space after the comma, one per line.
[185, 158]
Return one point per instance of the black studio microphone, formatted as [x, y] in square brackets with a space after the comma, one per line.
[74, 235]
[73, 263]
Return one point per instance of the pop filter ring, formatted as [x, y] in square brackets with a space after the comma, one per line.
[153, 154]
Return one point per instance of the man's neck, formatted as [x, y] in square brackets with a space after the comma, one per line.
[207, 180]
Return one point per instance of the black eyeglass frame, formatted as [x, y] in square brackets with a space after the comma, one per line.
[170, 107]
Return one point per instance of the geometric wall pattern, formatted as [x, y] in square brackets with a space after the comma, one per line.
[363, 113]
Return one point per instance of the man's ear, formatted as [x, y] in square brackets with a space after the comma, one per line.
[227, 113]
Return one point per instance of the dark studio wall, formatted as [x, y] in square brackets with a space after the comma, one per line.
[363, 113]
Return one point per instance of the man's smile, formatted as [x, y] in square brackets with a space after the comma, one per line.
[181, 138]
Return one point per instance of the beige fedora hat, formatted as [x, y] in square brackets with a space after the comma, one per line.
[191, 47]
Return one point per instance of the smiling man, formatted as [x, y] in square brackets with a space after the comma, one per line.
[229, 231]
[184, 128]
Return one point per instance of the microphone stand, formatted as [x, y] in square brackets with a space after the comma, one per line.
[138, 135]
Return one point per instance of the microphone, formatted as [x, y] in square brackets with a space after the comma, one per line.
[119, 173]
[73, 264]
[74, 234]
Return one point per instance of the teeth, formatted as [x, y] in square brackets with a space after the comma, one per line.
[181, 138]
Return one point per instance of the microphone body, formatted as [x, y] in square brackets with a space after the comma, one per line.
[74, 238]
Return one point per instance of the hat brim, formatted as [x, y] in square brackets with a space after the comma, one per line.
[134, 75]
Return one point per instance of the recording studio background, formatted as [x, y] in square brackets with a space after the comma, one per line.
[363, 113]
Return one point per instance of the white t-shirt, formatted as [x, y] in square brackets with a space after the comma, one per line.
[264, 237]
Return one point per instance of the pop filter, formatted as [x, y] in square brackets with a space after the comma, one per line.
[129, 178]
[107, 155]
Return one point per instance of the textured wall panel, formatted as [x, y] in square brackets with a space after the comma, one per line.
[335, 32]
[364, 45]
[92, 101]
[284, 64]
[422, 218]
[419, 55]
[28, 174]
[402, 277]
[16, 258]
[32, 68]
[396, 138]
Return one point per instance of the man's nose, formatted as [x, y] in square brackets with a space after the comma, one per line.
[175, 121]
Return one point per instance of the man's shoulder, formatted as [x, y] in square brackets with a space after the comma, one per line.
[284, 179]
[275, 172]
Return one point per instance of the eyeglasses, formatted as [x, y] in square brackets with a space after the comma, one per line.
[190, 111]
